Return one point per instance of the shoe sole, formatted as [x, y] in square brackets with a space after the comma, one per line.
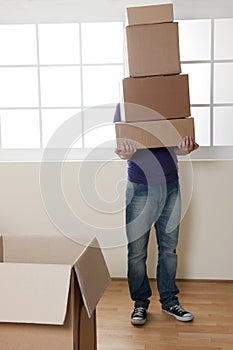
[138, 322]
[182, 319]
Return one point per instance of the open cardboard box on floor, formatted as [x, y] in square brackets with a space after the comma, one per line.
[150, 14]
[50, 286]
[155, 134]
[153, 49]
[164, 96]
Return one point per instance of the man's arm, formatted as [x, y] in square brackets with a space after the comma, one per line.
[185, 146]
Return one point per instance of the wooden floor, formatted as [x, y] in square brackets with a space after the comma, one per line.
[210, 302]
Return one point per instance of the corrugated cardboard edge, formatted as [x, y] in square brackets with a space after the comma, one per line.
[1, 249]
[92, 274]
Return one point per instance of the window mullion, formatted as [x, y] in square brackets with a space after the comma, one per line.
[39, 85]
[212, 85]
[81, 83]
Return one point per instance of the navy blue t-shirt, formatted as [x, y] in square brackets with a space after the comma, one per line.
[153, 165]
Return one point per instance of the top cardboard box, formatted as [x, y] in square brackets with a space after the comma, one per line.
[50, 287]
[153, 49]
[150, 14]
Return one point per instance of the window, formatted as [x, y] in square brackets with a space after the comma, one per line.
[51, 73]
[207, 56]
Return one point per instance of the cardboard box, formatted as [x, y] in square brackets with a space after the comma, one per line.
[154, 134]
[153, 49]
[162, 96]
[150, 14]
[50, 287]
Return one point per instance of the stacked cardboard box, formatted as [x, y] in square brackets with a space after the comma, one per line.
[155, 91]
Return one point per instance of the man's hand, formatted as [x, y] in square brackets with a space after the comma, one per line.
[185, 146]
[126, 149]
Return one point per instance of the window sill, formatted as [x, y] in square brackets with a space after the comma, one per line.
[216, 153]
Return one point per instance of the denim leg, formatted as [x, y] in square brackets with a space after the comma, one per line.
[167, 231]
[138, 281]
[139, 219]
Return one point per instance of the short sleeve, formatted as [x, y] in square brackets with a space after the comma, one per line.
[117, 115]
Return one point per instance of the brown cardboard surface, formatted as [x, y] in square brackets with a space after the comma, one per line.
[85, 334]
[23, 336]
[42, 249]
[153, 134]
[150, 14]
[153, 49]
[92, 291]
[42, 305]
[166, 96]
[87, 338]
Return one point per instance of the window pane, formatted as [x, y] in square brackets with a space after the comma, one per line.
[102, 42]
[199, 82]
[99, 130]
[18, 44]
[223, 82]
[195, 40]
[223, 126]
[100, 137]
[59, 43]
[60, 87]
[101, 84]
[223, 34]
[202, 125]
[20, 129]
[18, 87]
[52, 119]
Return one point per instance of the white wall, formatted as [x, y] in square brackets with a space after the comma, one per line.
[37, 11]
[206, 237]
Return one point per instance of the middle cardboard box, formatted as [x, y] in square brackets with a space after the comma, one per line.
[155, 98]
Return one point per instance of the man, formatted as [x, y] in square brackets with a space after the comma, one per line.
[153, 198]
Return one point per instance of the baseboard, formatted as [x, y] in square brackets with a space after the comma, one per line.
[198, 280]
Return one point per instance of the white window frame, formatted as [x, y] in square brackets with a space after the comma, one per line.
[204, 152]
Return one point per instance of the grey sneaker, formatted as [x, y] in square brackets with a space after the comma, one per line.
[138, 317]
[179, 313]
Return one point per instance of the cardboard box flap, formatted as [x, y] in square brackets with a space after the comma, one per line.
[40, 249]
[92, 274]
[34, 293]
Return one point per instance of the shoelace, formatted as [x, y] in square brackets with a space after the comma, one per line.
[179, 309]
[138, 311]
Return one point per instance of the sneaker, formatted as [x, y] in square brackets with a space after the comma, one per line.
[138, 317]
[179, 313]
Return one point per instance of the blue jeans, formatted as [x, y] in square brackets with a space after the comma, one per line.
[157, 205]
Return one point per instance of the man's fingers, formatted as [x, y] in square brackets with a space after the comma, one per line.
[190, 144]
[129, 147]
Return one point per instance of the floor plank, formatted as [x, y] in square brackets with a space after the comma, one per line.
[212, 328]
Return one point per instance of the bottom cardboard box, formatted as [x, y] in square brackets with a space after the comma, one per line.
[50, 287]
[155, 134]
[77, 332]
